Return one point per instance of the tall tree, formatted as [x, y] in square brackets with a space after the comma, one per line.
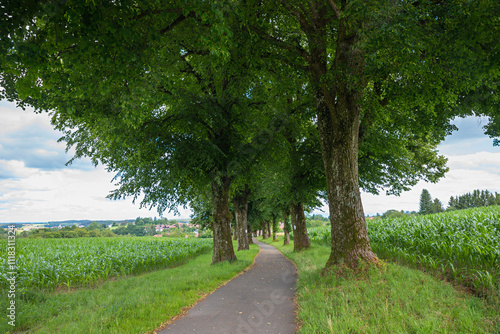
[437, 206]
[384, 78]
[160, 94]
[426, 205]
[240, 203]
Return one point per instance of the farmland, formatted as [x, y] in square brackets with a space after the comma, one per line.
[462, 245]
[52, 263]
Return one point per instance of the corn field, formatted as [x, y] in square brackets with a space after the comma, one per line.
[52, 263]
[462, 245]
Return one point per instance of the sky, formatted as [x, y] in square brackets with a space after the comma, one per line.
[37, 186]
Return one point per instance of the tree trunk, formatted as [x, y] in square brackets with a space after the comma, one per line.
[337, 86]
[223, 245]
[250, 234]
[339, 111]
[235, 230]
[275, 229]
[298, 219]
[268, 226]
[240, 203]
[286, 227]
[263, 229]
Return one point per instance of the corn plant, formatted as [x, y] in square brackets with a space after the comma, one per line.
[465, 244]
[52, 263]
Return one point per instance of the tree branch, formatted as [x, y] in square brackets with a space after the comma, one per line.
[335, 8]
[175, 23]
[278, 42]
[156, 11]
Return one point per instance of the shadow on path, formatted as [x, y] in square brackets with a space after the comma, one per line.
[260, 300]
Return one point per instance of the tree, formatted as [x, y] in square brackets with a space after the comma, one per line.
[147, 91]
[437, 206]
[452, 203]
[393, 214]
[93, 226]
[240, 203]
[286, 228]
[384, 93]
[426, 206]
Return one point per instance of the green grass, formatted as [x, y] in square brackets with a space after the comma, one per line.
[131, 304]
[388, 299]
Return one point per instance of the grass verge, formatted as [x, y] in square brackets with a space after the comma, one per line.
[134, 304]
[388, 299]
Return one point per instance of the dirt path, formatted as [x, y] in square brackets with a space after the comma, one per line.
[260, 300]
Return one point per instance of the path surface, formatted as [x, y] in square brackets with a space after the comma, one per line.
[260, 300]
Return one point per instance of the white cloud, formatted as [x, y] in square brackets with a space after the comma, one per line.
[485, 161]
[480, 170]
[65, 194]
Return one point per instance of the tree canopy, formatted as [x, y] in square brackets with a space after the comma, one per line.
[184, 96]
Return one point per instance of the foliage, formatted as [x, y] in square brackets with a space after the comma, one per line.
[49, 264]
[393, 214]
[316, 221]
[463, 245]
[170, 96]
[475, 199]
[425, 205]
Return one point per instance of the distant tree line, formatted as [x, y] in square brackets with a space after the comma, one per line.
[93, 230]
[317, 220]
[475, 199]
[139, 228]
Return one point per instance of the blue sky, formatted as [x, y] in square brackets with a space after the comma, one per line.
[36, 186]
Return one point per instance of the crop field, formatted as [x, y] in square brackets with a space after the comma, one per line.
[51, 263]
[463, 245]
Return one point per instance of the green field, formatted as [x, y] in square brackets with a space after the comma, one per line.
[128, 304]
[462, 245]
[51, 263]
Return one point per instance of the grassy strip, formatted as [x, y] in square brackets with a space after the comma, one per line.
[389, 299]
[134, 304]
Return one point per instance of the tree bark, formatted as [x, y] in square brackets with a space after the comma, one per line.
[286, 240]
[235, 230]
[263, 229]
[275, 229]
[338, 104]
[298, 220]
[250, 234]
[223, 245]
[268, 226]
[240, 203]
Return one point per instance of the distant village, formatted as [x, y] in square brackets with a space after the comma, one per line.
[138, 227]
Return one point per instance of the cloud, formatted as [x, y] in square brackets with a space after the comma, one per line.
[37, 186]
[471, 168]
[36, 195]
[484, 161]
[30, 138]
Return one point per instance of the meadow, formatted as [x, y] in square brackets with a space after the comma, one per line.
[48, 264]
[462, 245]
